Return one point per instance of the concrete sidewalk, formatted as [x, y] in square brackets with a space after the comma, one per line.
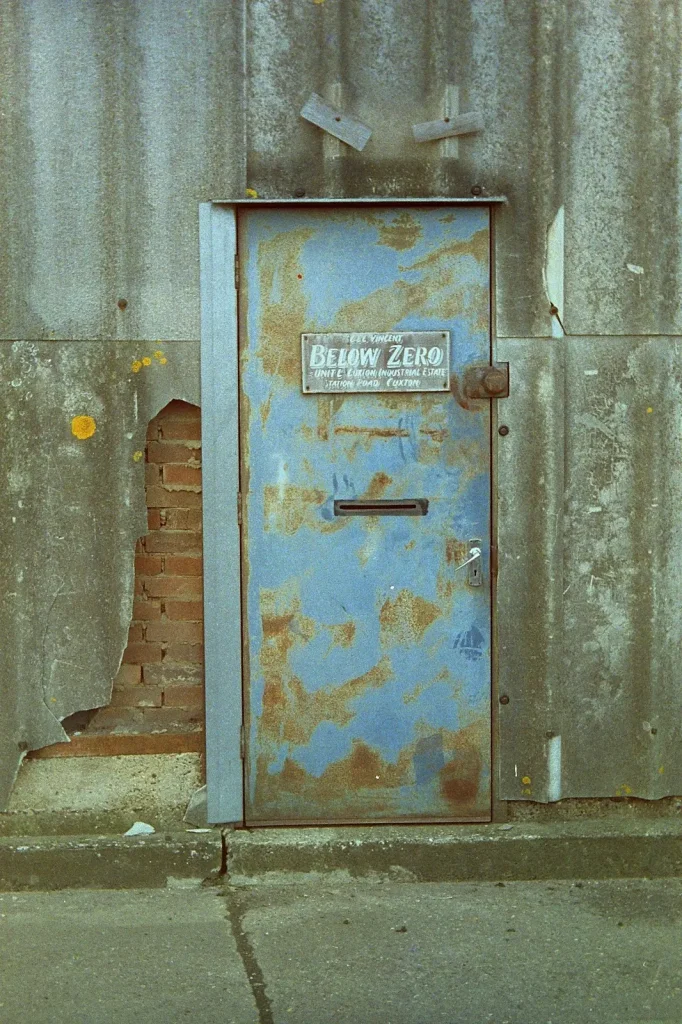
[391, 953]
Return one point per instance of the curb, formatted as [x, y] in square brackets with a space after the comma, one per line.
[464, 853]
[108, 862]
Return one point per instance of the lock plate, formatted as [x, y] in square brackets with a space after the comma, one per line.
[490, 381]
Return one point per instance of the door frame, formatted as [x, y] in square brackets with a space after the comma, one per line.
[225, 741]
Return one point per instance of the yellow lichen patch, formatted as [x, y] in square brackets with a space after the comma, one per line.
[163, 360]
[251, 193]
[136, 365]
[526, 780]
[137, 456]
[405, 619]
[146, 361]
[158, 354]
[83, 427]
[650, 409]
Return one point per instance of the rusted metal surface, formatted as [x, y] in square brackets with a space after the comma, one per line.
[590, 614]
[73, 438]
[369, 682]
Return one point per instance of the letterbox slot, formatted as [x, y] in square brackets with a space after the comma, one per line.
[397, 507]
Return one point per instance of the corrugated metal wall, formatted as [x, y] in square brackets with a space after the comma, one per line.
[118, 117]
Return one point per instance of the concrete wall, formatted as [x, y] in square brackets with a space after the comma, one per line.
[118, 117]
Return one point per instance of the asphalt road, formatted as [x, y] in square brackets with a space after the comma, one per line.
[395, 953]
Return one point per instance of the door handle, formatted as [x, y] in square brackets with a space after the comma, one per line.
[473, 561]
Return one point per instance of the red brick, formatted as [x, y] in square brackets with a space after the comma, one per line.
[187, 611]
[173, 586]
[152, 474]
[138, 589]
[177, 565]
[173, 540]
[128, 675]
[185, 476]
[135, 633]
[179, 409]
[183, 519]
[166, 451]
[153, 430]
[146, 565]
[177, 720]
[176, 632]
[147, 611]
[142, 654]
[138, 697]
[183, 696]
[166, 675]
[188, 653]
[180, 430]
[154, 519]
[120, 720]
[159, 497]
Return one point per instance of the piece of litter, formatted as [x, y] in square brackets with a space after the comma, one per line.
[198, 830]
[140, 828]
[634, 268]
[505, 828]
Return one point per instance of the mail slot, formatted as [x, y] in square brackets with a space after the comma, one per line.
[401, 507]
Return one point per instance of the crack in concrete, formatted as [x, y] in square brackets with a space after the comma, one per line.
[236, 911]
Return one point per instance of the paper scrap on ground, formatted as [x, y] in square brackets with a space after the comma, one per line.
[140, 828]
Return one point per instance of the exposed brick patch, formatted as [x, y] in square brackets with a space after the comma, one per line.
[159, 687]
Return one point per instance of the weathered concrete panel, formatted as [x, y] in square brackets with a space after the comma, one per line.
[623, 181]
[119, 118]
[590, 598]
[72, 509]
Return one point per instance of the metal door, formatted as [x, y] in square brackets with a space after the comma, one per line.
[366, 639]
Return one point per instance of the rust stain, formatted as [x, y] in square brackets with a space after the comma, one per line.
[327, 408]
[413, 695]
[343, 635]
[460, 777]
[410, 544]
[372, 431]
[377, 486]
[363, 782]
[455, 551]
[405, 618]
[476, 246]
[435, 434]
[291, 713]
[288, 507]
[265, 410]
[403, 232]
[283, 304]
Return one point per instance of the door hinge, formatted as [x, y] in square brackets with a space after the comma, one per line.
[242, 742]
[236, 271]
[239, 508]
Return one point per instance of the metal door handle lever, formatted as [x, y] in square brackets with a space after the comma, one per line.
[474, 575]
[474, 553]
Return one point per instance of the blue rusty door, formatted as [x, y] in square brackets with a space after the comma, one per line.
[366, 640]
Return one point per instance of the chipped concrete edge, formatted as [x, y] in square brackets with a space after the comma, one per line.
[596, 849]
[110, 862]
